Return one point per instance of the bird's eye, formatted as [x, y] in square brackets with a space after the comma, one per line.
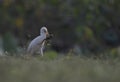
[44, 31]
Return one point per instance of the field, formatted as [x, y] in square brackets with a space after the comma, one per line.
[59, 69]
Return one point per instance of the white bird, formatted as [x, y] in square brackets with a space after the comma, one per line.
[37, 44]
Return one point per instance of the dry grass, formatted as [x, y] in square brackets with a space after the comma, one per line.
[62, 69]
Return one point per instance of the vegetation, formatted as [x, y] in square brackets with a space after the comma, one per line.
[92, 25]
[59, 69]
[85, 46]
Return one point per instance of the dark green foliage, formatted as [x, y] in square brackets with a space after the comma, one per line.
[9, 43]
[91, 24]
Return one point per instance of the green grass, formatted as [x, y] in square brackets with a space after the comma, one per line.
[60, 69]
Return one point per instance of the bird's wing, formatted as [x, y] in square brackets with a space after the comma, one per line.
[35, 43]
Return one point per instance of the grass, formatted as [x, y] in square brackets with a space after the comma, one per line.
[60, 69]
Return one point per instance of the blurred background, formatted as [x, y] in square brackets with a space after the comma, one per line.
[79, 26]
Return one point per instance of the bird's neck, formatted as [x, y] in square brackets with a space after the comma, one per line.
[43, 35]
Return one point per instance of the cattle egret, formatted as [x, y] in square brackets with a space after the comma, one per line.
[37, 44]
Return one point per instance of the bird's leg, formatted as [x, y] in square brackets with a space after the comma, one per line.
[41, 51]
[42, 47]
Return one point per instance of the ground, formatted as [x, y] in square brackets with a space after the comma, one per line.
[59, 69]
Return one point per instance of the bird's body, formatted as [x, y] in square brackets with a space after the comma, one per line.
[37, 44]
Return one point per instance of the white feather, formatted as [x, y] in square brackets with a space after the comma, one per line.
[37, 44]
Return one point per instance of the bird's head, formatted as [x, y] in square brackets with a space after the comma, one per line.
[44, 31]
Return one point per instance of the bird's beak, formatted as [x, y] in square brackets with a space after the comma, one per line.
[47, 34]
